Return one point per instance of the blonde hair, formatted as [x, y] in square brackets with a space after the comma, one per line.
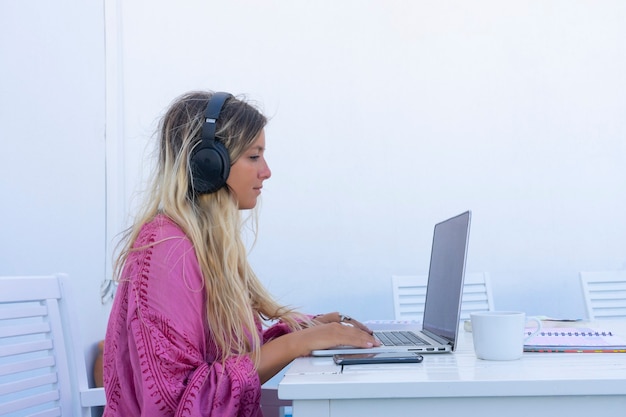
[235, 298]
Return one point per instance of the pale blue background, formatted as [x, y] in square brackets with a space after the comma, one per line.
[387, 116]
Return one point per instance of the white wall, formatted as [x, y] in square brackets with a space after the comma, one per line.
[52, 165]
[390, 116]
[387, 117]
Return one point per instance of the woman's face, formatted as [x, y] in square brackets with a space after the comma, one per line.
[248, 173]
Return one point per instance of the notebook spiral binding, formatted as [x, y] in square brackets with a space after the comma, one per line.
[582, 333]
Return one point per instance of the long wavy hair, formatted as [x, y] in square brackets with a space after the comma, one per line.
[235, 298]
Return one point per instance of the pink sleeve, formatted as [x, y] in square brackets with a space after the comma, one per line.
[177, 380]
[221, 390]
[160, 364]
[274, 331]
[279, 329]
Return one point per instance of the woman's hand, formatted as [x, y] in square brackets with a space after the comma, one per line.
[340, 318]
[328, 335]
[277, 353]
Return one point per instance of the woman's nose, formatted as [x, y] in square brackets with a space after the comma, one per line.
[266, 172]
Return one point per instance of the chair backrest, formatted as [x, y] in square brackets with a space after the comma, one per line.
[605, 294]
[409, 295]
[40, 361]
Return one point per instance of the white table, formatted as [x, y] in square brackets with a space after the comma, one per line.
[459, 384]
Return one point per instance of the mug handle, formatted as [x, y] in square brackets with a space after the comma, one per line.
[539, 326]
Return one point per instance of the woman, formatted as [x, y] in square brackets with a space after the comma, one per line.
[187, 333]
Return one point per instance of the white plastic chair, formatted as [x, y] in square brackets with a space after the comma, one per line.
[605, 294]
[409, 295]
[42, 366]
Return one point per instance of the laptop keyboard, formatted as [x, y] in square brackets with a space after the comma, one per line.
[399, 338]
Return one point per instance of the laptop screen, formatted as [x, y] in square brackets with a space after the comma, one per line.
[442, 307]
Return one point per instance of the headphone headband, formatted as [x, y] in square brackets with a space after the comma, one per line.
[212, 113]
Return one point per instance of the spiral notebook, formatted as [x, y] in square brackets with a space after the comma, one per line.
[575, 340]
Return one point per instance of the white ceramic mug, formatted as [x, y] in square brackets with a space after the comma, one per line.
[499, 335]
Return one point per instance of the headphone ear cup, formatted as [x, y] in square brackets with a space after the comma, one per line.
[210, 167]
[209, 161]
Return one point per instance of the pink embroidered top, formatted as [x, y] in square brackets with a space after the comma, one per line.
[159, 358]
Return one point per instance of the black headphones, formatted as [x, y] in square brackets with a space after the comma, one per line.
[210, 163]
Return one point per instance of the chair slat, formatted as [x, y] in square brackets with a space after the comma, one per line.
[34, 288]
[28, 383]
[54, 412]
[27, 365]
[24, 329]
[25, 347]
[22, 310]
[31, 401]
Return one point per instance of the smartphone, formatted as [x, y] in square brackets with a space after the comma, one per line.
[382, 357]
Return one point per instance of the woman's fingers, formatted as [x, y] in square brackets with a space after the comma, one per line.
[358, 324]
[329, 335]
[341, 318]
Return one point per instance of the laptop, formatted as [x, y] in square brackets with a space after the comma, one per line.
[442, 309]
